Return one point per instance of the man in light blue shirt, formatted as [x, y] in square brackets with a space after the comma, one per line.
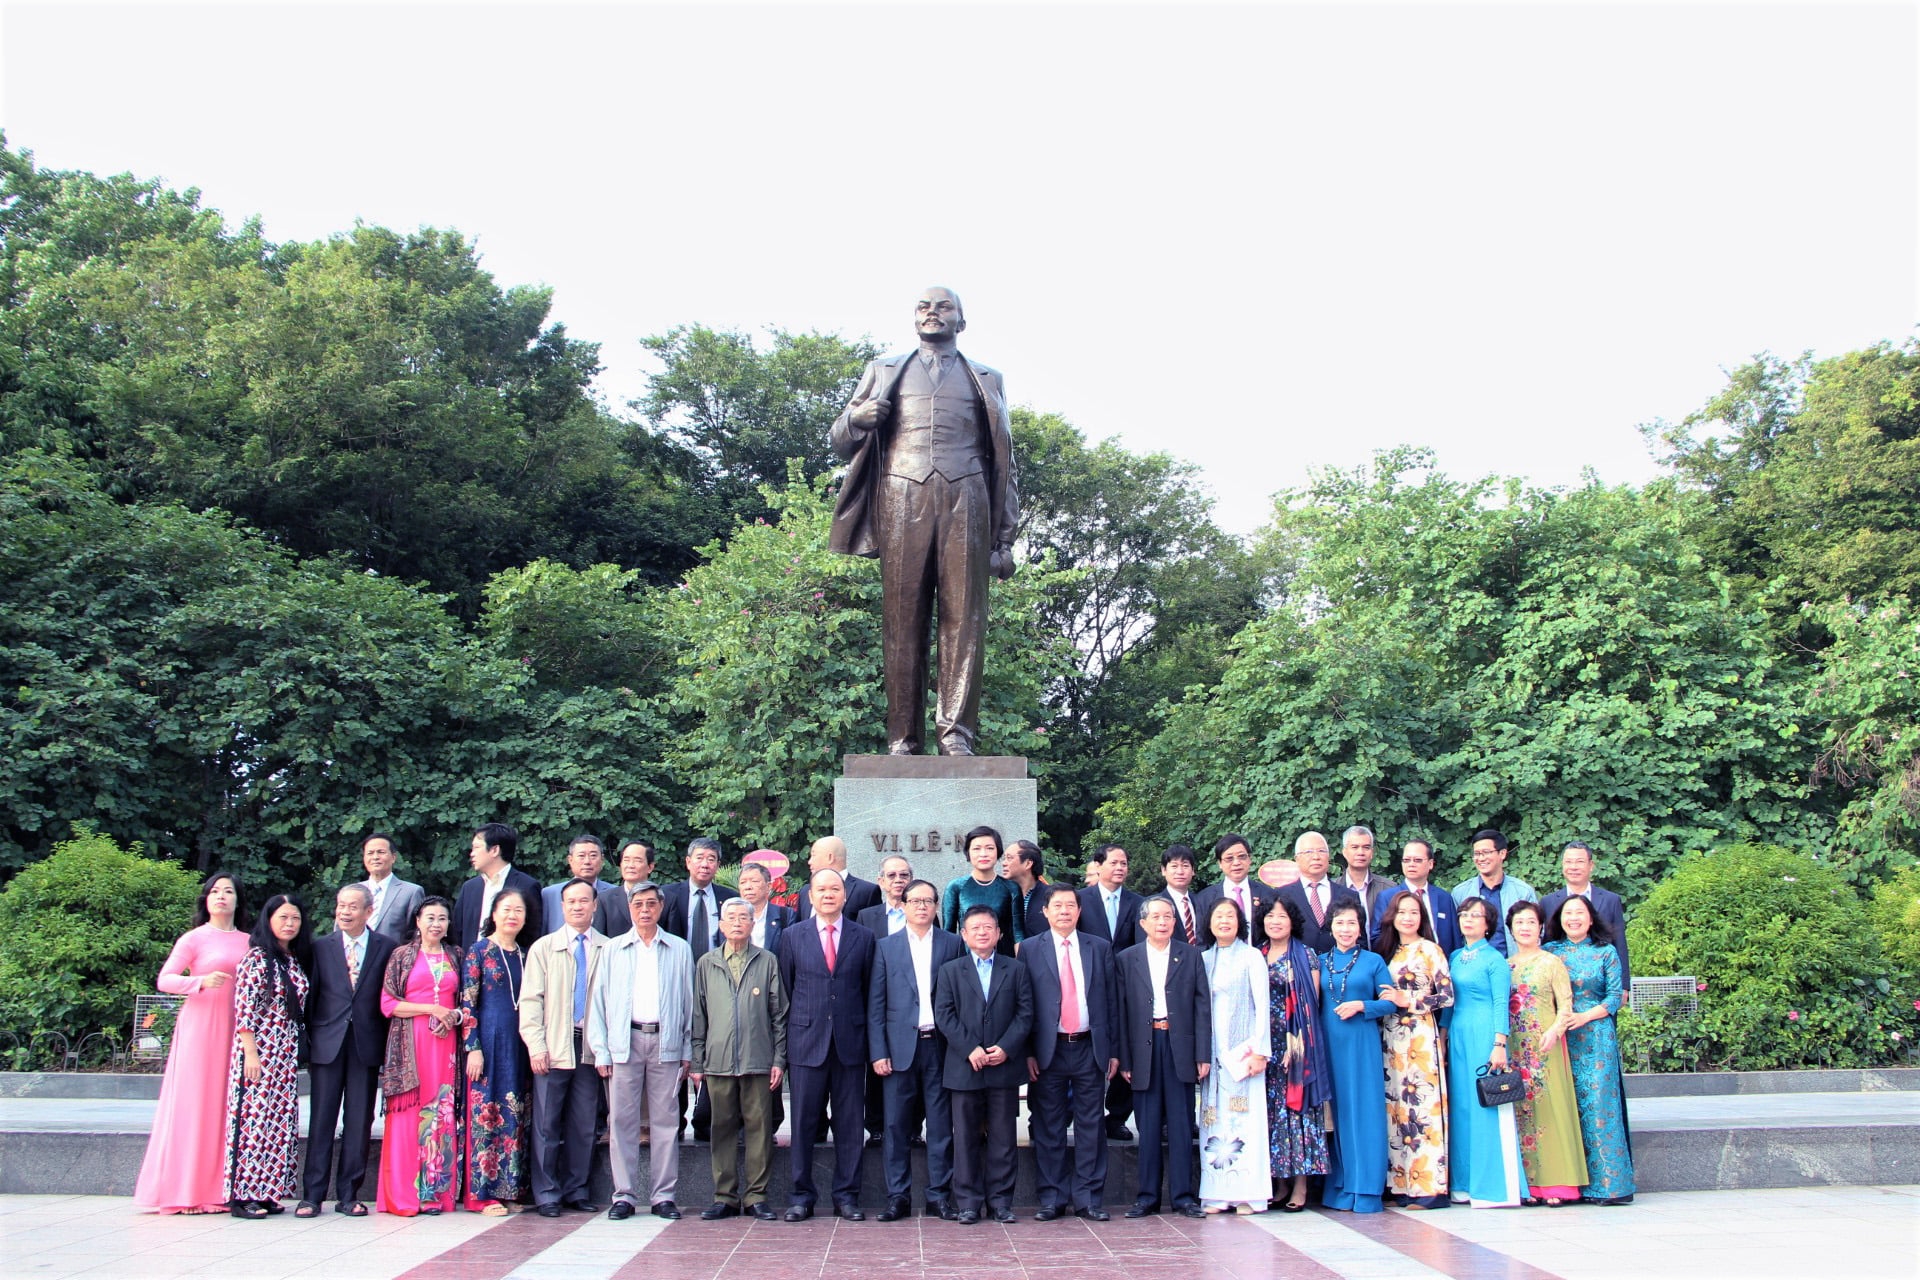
[1494, 884]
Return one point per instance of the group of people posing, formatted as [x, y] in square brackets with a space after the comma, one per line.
[1325, 1034]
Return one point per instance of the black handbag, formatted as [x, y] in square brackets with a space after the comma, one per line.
[1498, 1088]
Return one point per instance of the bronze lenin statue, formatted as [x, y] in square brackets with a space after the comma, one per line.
[930, 491]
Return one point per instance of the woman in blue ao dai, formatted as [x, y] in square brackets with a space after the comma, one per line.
[1352, 980]
[1484, 1159]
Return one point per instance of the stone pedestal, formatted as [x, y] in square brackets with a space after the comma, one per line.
[921, 807]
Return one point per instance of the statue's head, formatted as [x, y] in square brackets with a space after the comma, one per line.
[938, 316]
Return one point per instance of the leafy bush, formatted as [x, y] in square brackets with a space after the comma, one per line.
[1793, 974]
[87, 928]
[1895, 912]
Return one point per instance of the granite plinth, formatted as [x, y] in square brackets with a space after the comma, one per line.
[921, 807]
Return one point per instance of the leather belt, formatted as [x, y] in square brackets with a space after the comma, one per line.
[929, 1033]
[649, 1028]
[1160, 1024]
[1074, 1037]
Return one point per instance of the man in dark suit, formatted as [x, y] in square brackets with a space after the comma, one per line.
[1237, 885]
[585, 857]
[1176, 869]
[824, 964]
[1110, 910]
[1314, 893]
[348, 1037]
[1075, 1052]
[1166, 1046]
[691, 912]
[1576, 865]
[394, 900]
[829, 853]
[889, 915]
[494, 846]
[770, 919]
[909, 1053]
[983, 1005]
[1416, 864]
[1025, 867]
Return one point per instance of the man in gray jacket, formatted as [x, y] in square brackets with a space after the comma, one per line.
[739, 1053]
[640, 1027]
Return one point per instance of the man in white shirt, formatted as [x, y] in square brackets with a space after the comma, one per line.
[1166, 1048]
[641, 1028]
[492, 852]
[1073, 1053]
[889, 915]
[1237, 885]
[1356, 851]
[909, 1052]
[394, 900]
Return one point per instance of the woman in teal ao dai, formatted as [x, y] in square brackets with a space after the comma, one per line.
[1351, 980]
[1593, 1047]
[1484, 1160]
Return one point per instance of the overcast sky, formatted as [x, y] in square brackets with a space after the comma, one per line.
[1265, 238]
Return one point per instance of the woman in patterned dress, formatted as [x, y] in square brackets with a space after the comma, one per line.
[1548, 1118]
[1484, 1152]
[1234, 1173]
[1416, 1070]
[498, 1076]
[1299, 1076]
[1584, 945]
[184, 1170]
[420, 1156]
[263, 1074]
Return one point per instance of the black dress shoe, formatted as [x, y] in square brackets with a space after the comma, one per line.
[1191, 1211]
[721, 1209]
[702, 1135]
[548, 1210]
[895, 1210]
[1143, 1210]
[850, 1211]
[763, 1211]
[582, 1206]
[967, 1217]
[666, 1209]
[621, 1211]
[873, 1139]
[1094, 1213]
[1004, 1214]
[1119, 1133]
[945, 1209]
[1047, 1213]
[798, 1212]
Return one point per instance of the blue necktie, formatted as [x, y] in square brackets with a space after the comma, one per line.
[579, 977]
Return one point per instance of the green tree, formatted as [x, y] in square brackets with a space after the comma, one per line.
[1809, 472]
[744, 413]
[1865, 699]
[1449, 656]
[1152, 591]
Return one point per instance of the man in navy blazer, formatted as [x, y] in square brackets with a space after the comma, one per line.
[1416, 864]
[824, 964]
[1166, 1047]
[585, 857]
[1576, 865]
[1075, 1052]
[983, 1005]
[1235, 855]
[909, 1054]
[1315, 893]
[491, 854]
[348, 1036]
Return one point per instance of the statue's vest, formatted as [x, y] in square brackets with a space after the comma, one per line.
[936, 428]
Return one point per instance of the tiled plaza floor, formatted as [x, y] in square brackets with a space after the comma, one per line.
[1805, 1233]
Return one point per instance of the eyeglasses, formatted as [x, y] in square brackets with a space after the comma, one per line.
[921, 901]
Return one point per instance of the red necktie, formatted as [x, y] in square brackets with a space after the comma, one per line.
[1186, 918]
[1313, 896]
[1069, 990]
[832, 952]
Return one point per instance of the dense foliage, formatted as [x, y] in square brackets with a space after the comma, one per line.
[87, 929]
[298, 540]
[1791, 972]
